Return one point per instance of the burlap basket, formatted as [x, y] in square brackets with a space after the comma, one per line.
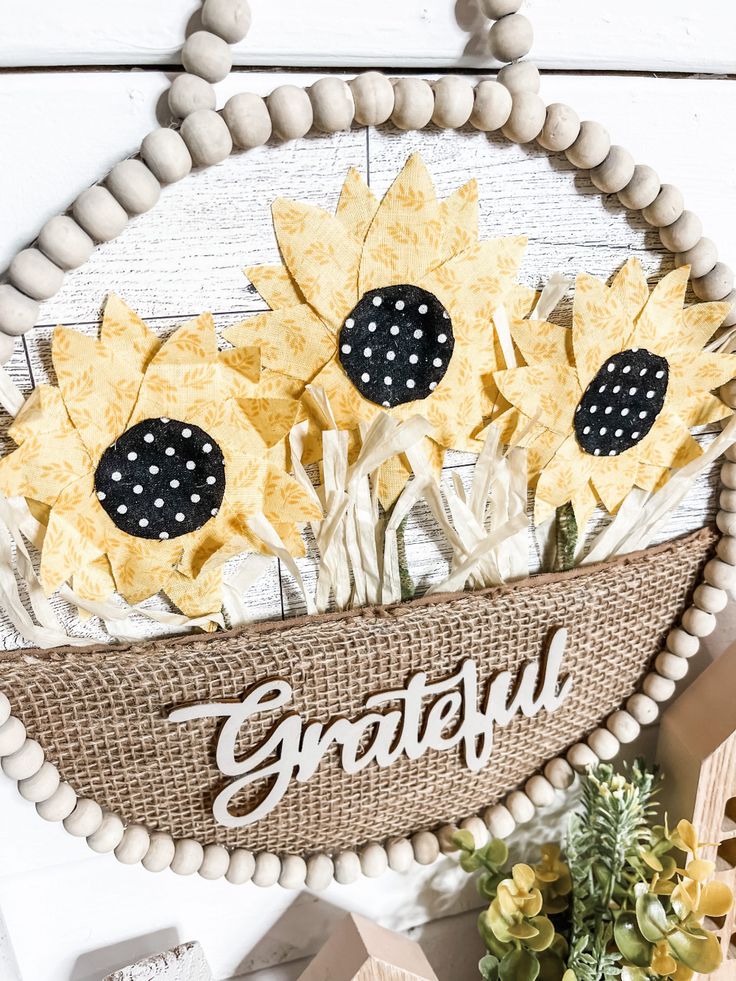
[100, 714]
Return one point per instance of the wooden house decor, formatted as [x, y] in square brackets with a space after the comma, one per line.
[183, 963]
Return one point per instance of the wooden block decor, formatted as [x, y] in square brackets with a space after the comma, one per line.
[184, 963]
[360, 950]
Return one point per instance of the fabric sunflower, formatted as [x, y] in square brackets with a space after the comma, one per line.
[609, 405]
[388, 306]
[148, 459]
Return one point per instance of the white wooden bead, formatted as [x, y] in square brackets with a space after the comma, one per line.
[400, 854]
[133, 186]
[207, 137]
[604, 744]
[99, 214]
[697, 622]
[510, 38]
[246, 116]
[160, 854]
[701, 257]
[166, 154]
[373, 860]
[591, 147]
[290, 111]
[671, 666]
[496, 9]
[333, 109]
[580, 757]
[59, 806]
[12, 736]
[320, 872]
[559, 773]
[730, 319]
[65, 243]
[207, 55]
[682, 643]
[188, 856]
[293, 872]
[641, 190]
[24, 762]
[373, 95]
[623, 726]
[499, 821]
[665, 208]
[521, 76]
[109, 834]
[42, 785]
[85, 819]
[730, 452]
[539, 791]
[453, 102]
[491, 106]
[8, 345]
[659, 689]
[267, 870]
[682, 234]
[716, 284]
[527, 118]
[710, 598]
[561, 128]
[133, 845]
[444, 837]
[726, 546]
[4, 709]
[215, 862]
[720, 574]
[35, 275]
[728, 475]
[347, 868]
[242, 866]
[616, 171]
[18, 312]
[643, 708]
[189, 93]
[520, 807]
[413, 103]
[477, 829]
[229, 19]
[426, 848]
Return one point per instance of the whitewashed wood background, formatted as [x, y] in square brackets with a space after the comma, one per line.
[80, 85]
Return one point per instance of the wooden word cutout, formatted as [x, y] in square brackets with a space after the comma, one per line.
[424, 715]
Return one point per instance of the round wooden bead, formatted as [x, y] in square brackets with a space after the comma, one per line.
[671, 666]
[520, 807]
[729, 452]
[641, 190]
[12, 736]
[290, 111]
[293, 872]
[85, 819]
[99, 214]
[491, 106]
[710, 598]
[320, 872]
[604, 744]
[347, 868]
[133, 845]
[666, 208]
[229, 19]
[160, 854]
[616, 171]
[698, 623]
[477, 829]
[109, 834]
[42, 785]
[539, 791]
[682, 643]
[18, 312]
[716, 284]
[561, 128]
[24, 762]
[7, 347]
[682, 234]
[453, 102]
[643, 708]
[65, 243]
[133, 186]
[333, 109]
[521, 76]
[726, 546]
[373, 860]
[659, 689]
[623, 726]
[400, 854]
[591, 147]
[444, 837]
[728, 475]
[499, 821]
[188, 856]
[189, 93]
[59, 806]
[207, 137]
[413, 103]
[496, 9]
[207, 55]
[241, 868]
[720, 574]
[580, 757]
[4, 709]
[35, 275]
[559, 773]
[246, 116]
[166, 154]
[510, 38]
[215, 862]
[730, 318]
[528, 114]
[426, 848]
[373, 95]
[267, 870]
[701, 257]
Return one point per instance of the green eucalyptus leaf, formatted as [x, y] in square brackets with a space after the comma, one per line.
[651, 917]
[495, 946]
[702, 955]
[630, 941]
[496, 853]
[519, 965]
[469, 862]
[488, 968]
[551, 967]
[545, 933]
[464, 840]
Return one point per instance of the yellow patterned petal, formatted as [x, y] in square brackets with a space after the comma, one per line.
[94, 583]
[270, 419]
[195, 342]
[584, 504]
[238, 370]
[652, 478]
[519, 301]
[393, 475]
[541, 342]
[43, 466]
[141, 567]
[293, 341]
[196, 597]
[564, 477]
[703, 410]
[548, 390]
[42, 412]
[630, 288]
[661, 327]
[75, 536]
[540, 448]
[125, 335]
[276, 286]
[614, 477]
[693, 374]
[459, 217]
[668, 443]
[285, 500]
[292, 538]
[701, 321]
[600, 327]
[357, 206]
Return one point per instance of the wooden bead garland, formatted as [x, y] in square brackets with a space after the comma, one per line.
[671, 666]
[65, 242]
[491, 106]
[167, 156]
[35, 275]
[41, 785]
[527, 118]
[246, 116]
[373, 95]
[444, 837]
[333, 108]
[520, 76]
[726, 549]
[539, 791]
[188, 856]
[682, 234]
[347, 868]
[561, 128]
[720, 574]
[207, 137]
[4, 709]
[293, 872]
[580, 757]
[659, 689]
[666, 208]
[400, 854]
[716, 284]
[641, 190]
[495, 9]
[710, 598]
[477, 828]
[99, 214]
[160, 852]
[133, 186]
[189, 93]
[241, 868]
[623, 726]
[133, 845]
[591, 147]
[85, 819]
[643, 708]
[454, 98]
[24, 762]
[291, 112]
[499, 821]
[510, 38]
[320, 872]
[682, 643]
[425, 846]
[615, 172]
[215, 862]
[109, 834]
[229, 19]
[413, 103]
[18, 312]
[59, 805]
[604, 744]
[701, 257]
[559, 773]
[520, 807]
[267, 870]
[207, 55]
[373, 860]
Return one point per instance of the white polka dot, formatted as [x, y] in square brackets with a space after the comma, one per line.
[116, 476]
[445, 314]
[399, 304]
[159, 502]
[122, 509]
[619, 432]
[632, 391]
[179, 516]
[101, 495]
[432, 386]
[413, 359]
[586, 430]
[624, 412]
[214, 511]
[635, 349]
[138, 489]
[346, 349]
[143, 523]
[442, 338]
[643, 415]
[390, 355]
[596, 452]
[350, 323]
[601, 389]
[195, 498]
[611, 367]
[174, 484]
[616, 389]
[423, 308]
[410, 383]
[365, 377]
[367, 352]
[660, 374]
[377, 301]
[608, 410]
[612, 452]
[207, 448]
[603, 430]
[386, 405]
[186, 433]
[650, 394]
[635, 435]
[418, 334]
[148, 437]
[626, 369]
[642, 372]
[153, 469]
[372, 326]
[437, 362]
[394, 330]
[191, 464]
[593, 408]
[165, 419]
[388, 380]
[163, 534]
[210, 480]
[170, 451]
[132, 456]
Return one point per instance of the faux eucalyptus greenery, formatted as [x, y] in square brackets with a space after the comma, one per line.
[627, 901]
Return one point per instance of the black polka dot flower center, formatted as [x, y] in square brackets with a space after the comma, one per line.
[161, 479]
[396, 345]
[622, 402]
